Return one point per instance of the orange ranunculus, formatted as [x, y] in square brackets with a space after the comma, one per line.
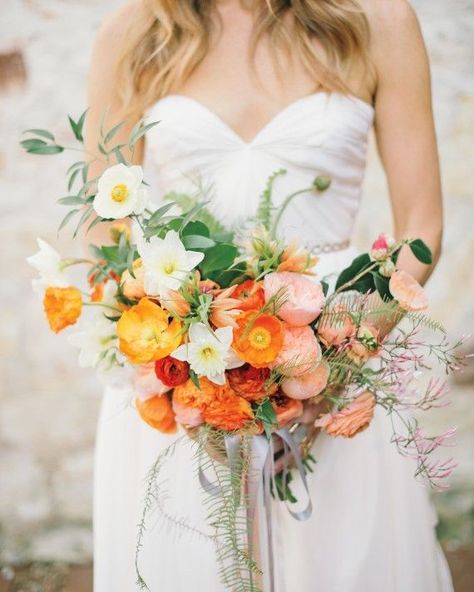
[157, 413]
[249, 382]
[250, 294]
[350, 420]
[146, 334]
[218, 405]
[62, 307]
[228, 412]
[286, 409]
[258, 338]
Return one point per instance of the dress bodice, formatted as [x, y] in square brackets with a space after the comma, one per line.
[321, 134]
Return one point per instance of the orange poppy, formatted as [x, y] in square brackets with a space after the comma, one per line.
[157, 413]
[250, 294]
[62, 307]
[146, 333]
[258, 338]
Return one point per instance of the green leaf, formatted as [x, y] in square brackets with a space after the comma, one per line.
[40, 132]
[119, 156]
[94, 222]
[83, 219]
[85, 172]
[218, 258]
[195, 241]
[75, 166]
[67, 218]
[194, 378]
[139, 131]
[159, 213]
[71, 200]
[325, 287]
[382, 285]
[111, 133]
[72, 178]
[356, 267]
[77, 126]
[365, 285]
[188, 217]
[266, 414]
[421, 251]
[196, 227]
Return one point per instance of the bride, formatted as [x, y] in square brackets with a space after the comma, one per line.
[242, 89]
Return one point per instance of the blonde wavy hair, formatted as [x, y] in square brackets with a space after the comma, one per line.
[168, 39]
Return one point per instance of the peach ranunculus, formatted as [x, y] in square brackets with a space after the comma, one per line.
[297, 260]
[62, 307]
[407, 291]
[258, 338]
[300, 352]
[309, 385]
[189, 417]
[250, 295]
[349, 420]
[216, 404]
[304, 298]
[250, 382]
[146, 334]
[132, 287]
[286, 409]
[224, 309]
[157, 413]
[145, 382]
[336, 327]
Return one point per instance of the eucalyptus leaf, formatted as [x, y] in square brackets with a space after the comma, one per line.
[139, 131]
[40, 132]
[67, 218]
[159, 213]
[196, 241]
[72, 178]
[71, 200]
[111, 133]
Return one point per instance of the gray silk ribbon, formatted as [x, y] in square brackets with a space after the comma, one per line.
[260, 476]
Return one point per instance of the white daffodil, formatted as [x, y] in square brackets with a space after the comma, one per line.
[120, 192]
[97, 343]
[208, 352]
[166, 263]
[47, 261]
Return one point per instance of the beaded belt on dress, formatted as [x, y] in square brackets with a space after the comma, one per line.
[324, 248]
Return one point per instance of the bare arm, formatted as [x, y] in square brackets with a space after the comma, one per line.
[404, 128]
[103, 98]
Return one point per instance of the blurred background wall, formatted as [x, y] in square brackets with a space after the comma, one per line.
[49, 407]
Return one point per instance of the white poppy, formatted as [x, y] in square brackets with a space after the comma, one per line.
[120, 192]
[209, 352]
[47, 261]
[166, 263]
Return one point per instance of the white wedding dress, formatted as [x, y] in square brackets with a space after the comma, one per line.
[372, 526]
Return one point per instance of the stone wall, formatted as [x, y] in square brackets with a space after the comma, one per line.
[48, 406]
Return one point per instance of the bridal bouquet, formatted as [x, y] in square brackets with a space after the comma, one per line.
[233, 335]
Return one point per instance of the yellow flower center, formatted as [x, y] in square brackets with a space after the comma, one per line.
[119, 193]
[170, 268]
[207, 352]
[260, 338]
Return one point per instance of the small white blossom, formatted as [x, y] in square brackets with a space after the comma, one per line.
[120, 192]
[166, 263]
[47, 261]
[209, 352]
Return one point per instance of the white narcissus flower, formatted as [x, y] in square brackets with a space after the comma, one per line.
[120, 192]
[47, 261]
[166, 263]
[208, 352]
[95, 340]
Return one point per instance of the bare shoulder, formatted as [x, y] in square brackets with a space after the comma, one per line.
[110, 33]
[389, 16]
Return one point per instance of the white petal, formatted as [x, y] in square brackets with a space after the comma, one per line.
[199, 333]
[233, 360]
[225, 336]
[218, 378]
[181, 353]
[173, 241]
[194, 258]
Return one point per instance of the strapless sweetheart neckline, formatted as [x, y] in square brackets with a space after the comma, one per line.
[316, 96]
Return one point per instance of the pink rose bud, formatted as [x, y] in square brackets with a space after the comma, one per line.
[381, 247]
